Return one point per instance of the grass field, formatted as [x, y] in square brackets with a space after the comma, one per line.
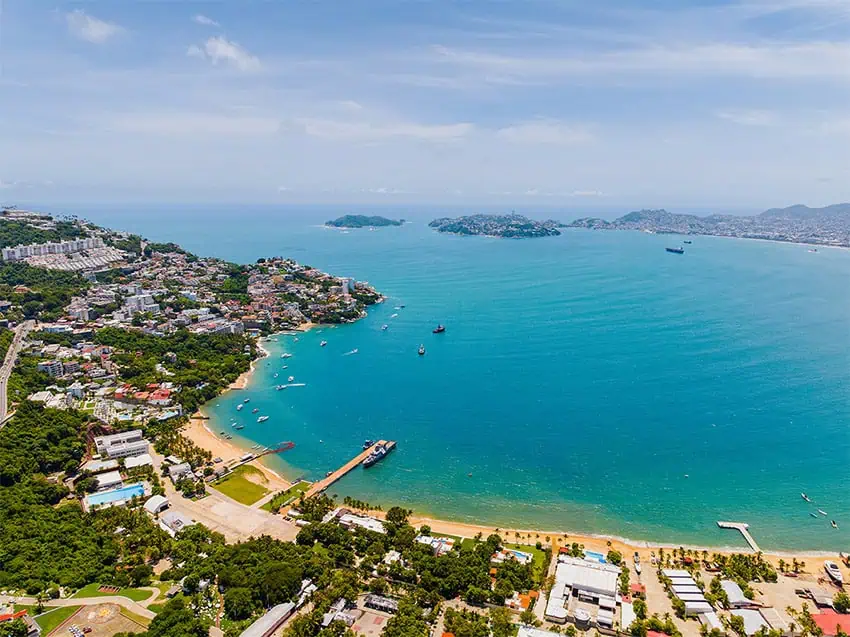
[136, 618]
[51, 619]
[284, 497]
[237, 485]
[136, 594]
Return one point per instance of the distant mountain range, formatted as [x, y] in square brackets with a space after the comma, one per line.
[823, 226]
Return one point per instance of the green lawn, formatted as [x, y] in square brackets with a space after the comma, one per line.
[136, 594]
[143, 621]
[539, 560]
[237, 486]
[285, 497]
[51, 619]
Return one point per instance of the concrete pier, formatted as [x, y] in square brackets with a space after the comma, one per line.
[744, 530]
[356, 461]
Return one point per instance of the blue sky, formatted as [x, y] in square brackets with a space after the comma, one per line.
[561, 102]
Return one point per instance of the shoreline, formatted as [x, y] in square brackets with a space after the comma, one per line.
[200, 433]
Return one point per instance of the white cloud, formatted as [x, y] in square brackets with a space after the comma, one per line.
[749, 117]
[89, 28]
[370, 131]
[587, 193]
[191, 124]
[205, 21]
[544, 131]
[219, 50]
[774, 60]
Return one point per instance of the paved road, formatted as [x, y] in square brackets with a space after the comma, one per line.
[126, 602]
[6, 370]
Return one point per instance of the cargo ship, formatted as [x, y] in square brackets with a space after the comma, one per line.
[378, 454]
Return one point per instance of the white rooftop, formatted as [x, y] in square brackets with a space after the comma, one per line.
[753, 620]
[138, 461]
[600, 579]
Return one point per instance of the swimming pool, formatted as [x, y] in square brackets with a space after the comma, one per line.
[596, 557]
[116, 495]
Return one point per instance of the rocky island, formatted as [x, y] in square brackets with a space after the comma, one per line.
[511, 226]
[798, 224]
[363, 221]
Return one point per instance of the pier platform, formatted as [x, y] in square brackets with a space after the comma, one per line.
[355, 462]
[744, 530]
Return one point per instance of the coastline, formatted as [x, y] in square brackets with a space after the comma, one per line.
[202, 435]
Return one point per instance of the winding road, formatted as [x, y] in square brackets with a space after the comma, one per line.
[9, 363]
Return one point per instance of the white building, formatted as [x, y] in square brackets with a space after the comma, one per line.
[143, 459]
[736, 596]
[156, 504]
[42, 249]
[349, 520]
[108, 480]
[172, 522]
[121, 445]
[54, 368]
[586, 581]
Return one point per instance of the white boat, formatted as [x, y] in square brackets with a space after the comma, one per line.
[290, 379]
[384, 326]
[262, 419]
[805, 497]
[279, 387]
[323, 343]
[275, 374]
[239, 407]
[286, 355]
[394, 315]
[834, 572]
[354, 351]
[637, 568]
[834, 524]
[822, 512]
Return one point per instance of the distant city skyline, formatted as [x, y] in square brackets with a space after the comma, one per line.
[616, 104]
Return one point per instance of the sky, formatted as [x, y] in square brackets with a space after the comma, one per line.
[663, 103]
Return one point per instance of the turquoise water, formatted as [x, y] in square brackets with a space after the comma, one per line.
[116, 495]
[589, 382]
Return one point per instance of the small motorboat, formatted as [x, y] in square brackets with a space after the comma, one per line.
[329, 474]
[286, 355]
[384, 327]
[834, 572]
[279, 387]
[262, 419]
[255, 410]
[422, 350]
[323, 343]
[290, 379]
[393, 315]
[284, 366]
[239, 407]
[687, 242]
[439, 329]
[833, 524]
[238, 427]
[822, 512]
[814, 515]
[247, 400]
[368, 444]
[805, 497]
[275, 374]
[354, 351]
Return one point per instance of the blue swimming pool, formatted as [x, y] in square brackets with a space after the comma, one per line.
[596, 557]
[116, 495]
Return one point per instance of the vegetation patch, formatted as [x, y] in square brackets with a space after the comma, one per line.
[285, 497]
[239, 485]
[136, 594]
[49, 621]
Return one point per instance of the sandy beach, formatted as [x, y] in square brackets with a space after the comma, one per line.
[199, 433]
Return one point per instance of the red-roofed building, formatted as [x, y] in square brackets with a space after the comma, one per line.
[160, 397]
[829, 622]
[655, 633]
[637, 590]
[33, 629]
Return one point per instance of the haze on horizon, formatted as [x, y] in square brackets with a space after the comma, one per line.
[557, 103]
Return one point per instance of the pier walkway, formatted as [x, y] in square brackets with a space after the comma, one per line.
[323, 484]
[744, 529]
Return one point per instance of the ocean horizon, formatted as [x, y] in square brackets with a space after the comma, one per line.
[589, 382]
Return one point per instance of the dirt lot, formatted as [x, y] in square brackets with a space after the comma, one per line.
[104, 619]
[370, 623]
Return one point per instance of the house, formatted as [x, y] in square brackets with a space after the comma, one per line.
[512, 554]
[829, 622]
[439, 545]
[33, 629]
[108, 480]
[378, 602]
[180, 471]
[266, 625]
[349, 521]
[156, 504]
[172, 522]
[753, 620]
[53, 368]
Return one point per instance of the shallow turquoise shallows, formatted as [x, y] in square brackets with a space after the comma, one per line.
[590, 382]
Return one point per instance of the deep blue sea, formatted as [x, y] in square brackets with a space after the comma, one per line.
[590, 382]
